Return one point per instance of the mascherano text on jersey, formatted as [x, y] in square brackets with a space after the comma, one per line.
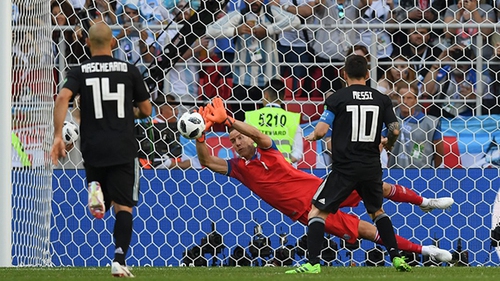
[113, 66]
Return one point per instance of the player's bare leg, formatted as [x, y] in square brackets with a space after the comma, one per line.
[399, 193]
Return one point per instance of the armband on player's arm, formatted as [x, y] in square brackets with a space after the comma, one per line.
[319, 131]
[322, 127]
[392, 135]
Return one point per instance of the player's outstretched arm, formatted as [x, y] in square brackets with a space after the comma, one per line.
[214, 163]
[262, 140]
[319, 131]
[60, 109]
[218, 115]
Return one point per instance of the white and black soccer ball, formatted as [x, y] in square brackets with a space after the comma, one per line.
[191, 125]
[70, 132]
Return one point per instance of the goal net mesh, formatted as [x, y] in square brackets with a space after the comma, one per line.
[188, 215]
[32, 101]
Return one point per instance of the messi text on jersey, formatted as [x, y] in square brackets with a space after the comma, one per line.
[365, 95]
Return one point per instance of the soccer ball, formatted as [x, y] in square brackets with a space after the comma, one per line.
[69, 132]
[191, 125]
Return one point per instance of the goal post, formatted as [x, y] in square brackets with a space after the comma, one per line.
[5, 137]
[31, 99]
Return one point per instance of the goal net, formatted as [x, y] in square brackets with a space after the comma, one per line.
[32, 101]
[188, 215]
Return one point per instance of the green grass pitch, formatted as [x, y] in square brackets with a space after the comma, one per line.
[253, 273]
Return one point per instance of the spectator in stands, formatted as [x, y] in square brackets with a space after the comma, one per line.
[420, 52]
[455, 78]
[470, 11]
[400, 71]
[359, 50]
[182, 79]
[415, 11]
[256, 59]
[412, 11]
[103, 8]
[153, 11]
[492, 106]
[78, 5]
[26, 51]
[420, 142]
[293, 44]
[64, 15]
[165, 137]
[135, 43]
[282, 126]
[224, 47]
[332, 45]
[61, 11]
[377, 11]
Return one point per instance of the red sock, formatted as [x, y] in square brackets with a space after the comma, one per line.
[400, 193]
[406, 245]
[403, 244]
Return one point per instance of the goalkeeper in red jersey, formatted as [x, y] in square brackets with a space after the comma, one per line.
[265, 171]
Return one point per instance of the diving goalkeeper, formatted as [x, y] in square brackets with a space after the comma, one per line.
[264, 170]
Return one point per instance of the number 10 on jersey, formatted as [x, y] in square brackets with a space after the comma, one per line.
[360, 122]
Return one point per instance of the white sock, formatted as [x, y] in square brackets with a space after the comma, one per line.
[166, 162]
[425, 202]
[425, 250]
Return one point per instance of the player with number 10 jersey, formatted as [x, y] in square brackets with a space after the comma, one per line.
[355, 113]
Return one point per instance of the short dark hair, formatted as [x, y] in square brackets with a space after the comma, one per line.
[275, 88]
[407, 85]
[361, 48]
[356, 67]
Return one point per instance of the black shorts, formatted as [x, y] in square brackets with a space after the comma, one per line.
[119, 183]
[337, 187]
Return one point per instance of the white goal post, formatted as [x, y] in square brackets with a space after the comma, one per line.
[5, 139]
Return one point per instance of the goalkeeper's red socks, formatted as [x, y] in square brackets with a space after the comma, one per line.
[403, 244]
[400, 193]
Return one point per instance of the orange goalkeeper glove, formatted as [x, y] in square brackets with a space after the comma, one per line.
[218, 113]
[208, 124]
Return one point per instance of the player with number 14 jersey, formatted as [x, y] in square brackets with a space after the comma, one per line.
[107, 87]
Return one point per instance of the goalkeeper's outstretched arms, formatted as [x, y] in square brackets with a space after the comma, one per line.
[217, 114]
[214, 163]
